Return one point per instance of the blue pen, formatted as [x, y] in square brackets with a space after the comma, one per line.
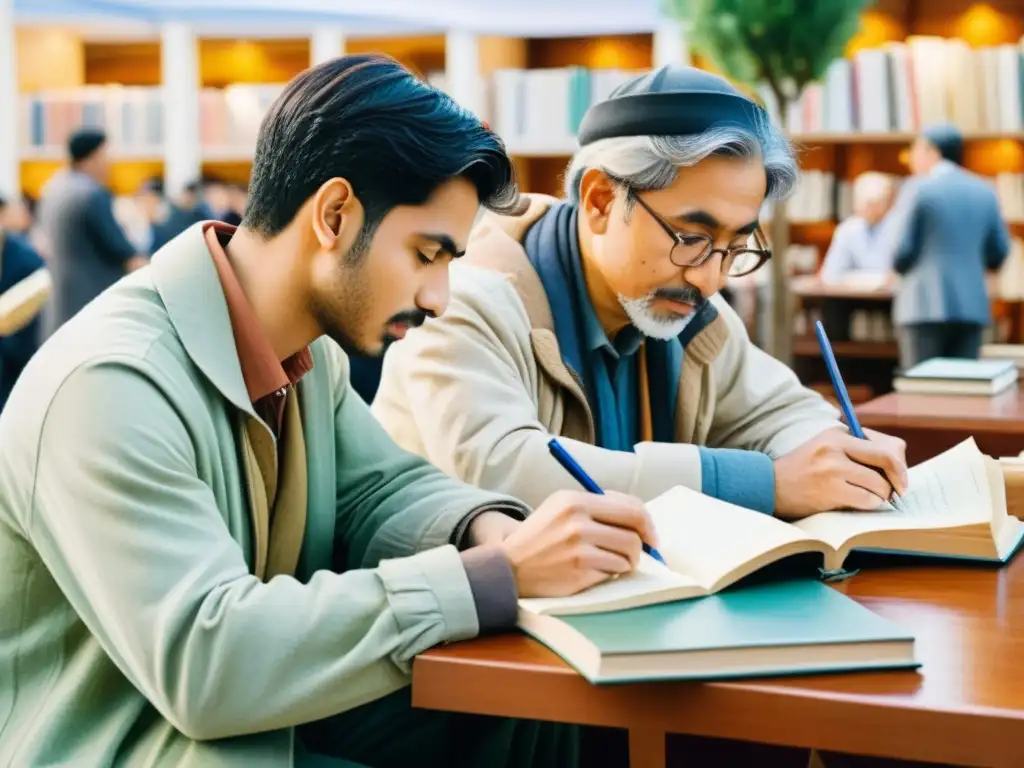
[840, 389]
[574, 469]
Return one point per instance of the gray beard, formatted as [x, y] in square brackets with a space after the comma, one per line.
[649, 324]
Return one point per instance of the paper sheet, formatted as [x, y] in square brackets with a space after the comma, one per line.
[948, 490]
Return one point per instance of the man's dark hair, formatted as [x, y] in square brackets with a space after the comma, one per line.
[948, 140]
[84, 142]
[369, 120]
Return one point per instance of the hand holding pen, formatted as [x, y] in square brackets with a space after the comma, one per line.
[839, 470]
[562, 456]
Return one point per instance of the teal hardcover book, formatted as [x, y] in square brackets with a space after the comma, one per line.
[782, 628]
[952, 376]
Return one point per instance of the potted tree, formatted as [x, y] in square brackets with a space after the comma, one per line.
[784, 45]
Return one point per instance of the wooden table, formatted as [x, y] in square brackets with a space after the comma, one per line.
[965, 706]
[932, 423]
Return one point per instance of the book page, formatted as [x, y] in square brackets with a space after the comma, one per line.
[650, 583]
[709, 539]
[946, 491]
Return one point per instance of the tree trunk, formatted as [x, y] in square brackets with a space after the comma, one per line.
[780, 337]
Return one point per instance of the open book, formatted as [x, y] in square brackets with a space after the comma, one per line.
[955, 506]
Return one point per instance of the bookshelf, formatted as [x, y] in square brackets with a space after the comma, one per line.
[239, 77]
[66, 81]
[961, 90]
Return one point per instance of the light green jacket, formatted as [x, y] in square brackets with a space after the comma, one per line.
[132, 629]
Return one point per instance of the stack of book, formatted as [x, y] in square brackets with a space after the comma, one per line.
[700, 615]
[952, 376]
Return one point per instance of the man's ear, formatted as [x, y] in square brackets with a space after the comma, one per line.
[597, 195]
[333, 203]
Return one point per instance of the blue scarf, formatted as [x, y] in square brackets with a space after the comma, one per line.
[552, 245]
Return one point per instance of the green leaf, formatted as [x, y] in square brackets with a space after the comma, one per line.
[781, 41]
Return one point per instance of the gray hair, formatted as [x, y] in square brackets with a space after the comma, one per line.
[653, 162]
[870, 187]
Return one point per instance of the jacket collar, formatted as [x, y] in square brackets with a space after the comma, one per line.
[185, 277]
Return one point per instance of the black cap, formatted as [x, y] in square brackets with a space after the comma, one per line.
[947, 139]
[84, 142]
[670, 101]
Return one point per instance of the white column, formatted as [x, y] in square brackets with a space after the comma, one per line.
[326, 43]
[462, 69]
[10, 176]
[179, 72]
[670, 43]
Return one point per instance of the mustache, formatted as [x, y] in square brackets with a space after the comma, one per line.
[413, 318]
[685, 294]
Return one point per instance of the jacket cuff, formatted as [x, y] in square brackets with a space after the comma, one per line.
[460, 536]
[493, 586]
[434, 580]
[744, 478]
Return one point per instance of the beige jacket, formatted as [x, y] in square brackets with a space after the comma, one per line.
[480, 391]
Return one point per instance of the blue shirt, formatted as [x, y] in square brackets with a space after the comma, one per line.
[857, 246]
[612, 372]
[746, 478]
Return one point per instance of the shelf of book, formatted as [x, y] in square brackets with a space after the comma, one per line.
[537, 90]
[807, 346]
[116, 86]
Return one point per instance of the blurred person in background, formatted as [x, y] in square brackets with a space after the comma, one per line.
[89, 251]
[857, 252]
[180, 212]
[150, 200]
[15, 216]
[951, 231]
[18, 217]
[216, 198]
[236, 197]
[24, 288]
[854, 247]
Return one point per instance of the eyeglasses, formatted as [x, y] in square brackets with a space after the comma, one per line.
[692, 250]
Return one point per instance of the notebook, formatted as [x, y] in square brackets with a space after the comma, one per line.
[951, 376]
[781, 628]
[955, 507]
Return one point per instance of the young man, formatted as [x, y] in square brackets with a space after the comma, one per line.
[88, 250]
[184, 464]
[597, 320]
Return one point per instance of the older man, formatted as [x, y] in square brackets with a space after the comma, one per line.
[596, 319]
